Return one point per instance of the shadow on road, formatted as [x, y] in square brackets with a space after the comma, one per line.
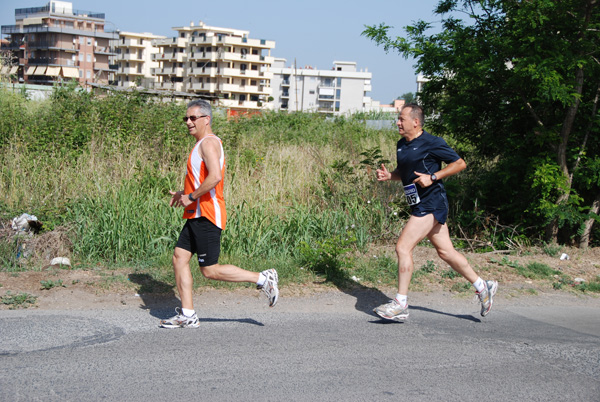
[157, 296]
[240, 320]
[467, 317]
[368, 298]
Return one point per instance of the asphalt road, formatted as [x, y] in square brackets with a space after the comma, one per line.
[320, 348]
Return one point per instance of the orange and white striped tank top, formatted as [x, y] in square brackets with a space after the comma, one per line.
[210, 205]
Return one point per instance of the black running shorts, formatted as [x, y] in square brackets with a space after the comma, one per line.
[201, 237]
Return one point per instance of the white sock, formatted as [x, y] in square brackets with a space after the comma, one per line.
[402, 300]
[261, 279]
[479, 284]
[187, 312]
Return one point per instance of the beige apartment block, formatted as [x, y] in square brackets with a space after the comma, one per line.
[135, 64]
[54, 42]
[221, 64]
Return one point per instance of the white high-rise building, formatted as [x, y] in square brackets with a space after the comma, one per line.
[340, 90]
[221, 64]
[134, 59]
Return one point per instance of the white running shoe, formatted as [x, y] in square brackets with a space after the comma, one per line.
[486, 296]
[392, 311]
[270, 286]
[180, 321]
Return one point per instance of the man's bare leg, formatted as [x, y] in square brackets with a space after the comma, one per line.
[440, 238]
[183, 277]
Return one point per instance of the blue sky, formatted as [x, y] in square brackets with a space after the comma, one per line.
[312, 32]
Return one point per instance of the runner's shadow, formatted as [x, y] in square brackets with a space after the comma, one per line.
[240, 320]
[156, 296]
[368, 298]
[467, 317]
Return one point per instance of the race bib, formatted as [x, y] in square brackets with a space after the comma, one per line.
[412, 196]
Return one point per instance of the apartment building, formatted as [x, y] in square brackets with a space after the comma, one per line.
[342, 89]
[55, 42]
[135, 64]
[221, 64]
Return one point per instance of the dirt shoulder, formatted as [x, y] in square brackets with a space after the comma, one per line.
[64, 289]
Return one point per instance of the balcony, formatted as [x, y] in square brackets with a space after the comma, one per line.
[203, 71]
[246, 42]
[103, 50]
[169, 42]
[171, 86]
[246, 89]
[203, 86]
[128, 71]
[203, 56]
[249, 58]
[252, 74]
[204, 40]
[129, 57]
[16, 29]
[169, 71]
[239, 104]
[169, 56]
[325, 109]
[129, 43]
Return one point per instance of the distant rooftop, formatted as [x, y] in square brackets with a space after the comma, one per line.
[24, 12]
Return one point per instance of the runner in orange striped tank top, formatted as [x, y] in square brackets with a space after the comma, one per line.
[204, 210]
[210, 204]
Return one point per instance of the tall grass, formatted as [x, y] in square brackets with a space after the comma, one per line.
[104, 166]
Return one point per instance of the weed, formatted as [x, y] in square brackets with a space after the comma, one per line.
[427, 268]
[49, 284]
[553, 250]
[537, 270]
[325, 257]
[450, 274]
[592, 286]
[14, 301]
[460, 287]
[532, 291]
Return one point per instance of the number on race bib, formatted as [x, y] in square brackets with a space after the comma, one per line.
[412, 195]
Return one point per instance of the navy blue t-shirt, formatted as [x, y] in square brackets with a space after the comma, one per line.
[425, 154]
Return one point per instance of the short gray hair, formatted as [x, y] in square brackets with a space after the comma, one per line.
[416, 112]
[204, 106]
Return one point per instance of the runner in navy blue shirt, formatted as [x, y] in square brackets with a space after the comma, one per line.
[419, 156]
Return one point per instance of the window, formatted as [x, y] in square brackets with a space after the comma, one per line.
[89, 41]
[337, 93]
[339, 82]
[89, 58]
[88, 74]
[81, 56]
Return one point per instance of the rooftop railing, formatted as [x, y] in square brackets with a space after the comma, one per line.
[24, 12]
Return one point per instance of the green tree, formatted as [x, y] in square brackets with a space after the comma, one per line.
[408, 97]
[519, 81]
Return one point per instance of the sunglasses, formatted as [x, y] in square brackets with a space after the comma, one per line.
[193, 118]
